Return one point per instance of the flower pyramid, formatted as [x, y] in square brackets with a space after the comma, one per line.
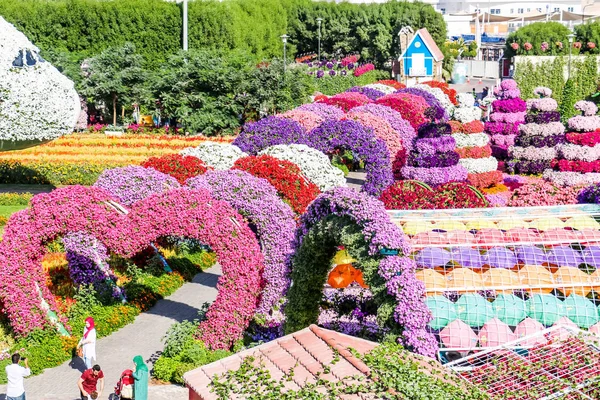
[434, 159]
[578, 158]
[473, 144]
[508, 113]
[535, 146]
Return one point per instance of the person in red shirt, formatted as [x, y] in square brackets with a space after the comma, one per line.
[88, 382]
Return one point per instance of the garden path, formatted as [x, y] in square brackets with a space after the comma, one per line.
[355, 179]
[142, 337]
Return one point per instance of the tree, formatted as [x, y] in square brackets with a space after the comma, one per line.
[567, 104]
[115, 76]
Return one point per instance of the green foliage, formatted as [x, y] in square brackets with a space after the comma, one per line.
[44, 349]
[50, 173]
[537, 33]
[310, 266]
[567, 103]
[395, 374]
[588, 32]
[15, 199]
[69, 31]
[330, 85]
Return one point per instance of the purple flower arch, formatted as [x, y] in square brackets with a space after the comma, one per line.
[270, 131]
[179, 212]
[258, 201]
[366, 229]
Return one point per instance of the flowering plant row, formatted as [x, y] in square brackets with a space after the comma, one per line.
[583, 167]
[444, 87]
[347, 100]
[179, 167]
[415, 195]
[584, 139]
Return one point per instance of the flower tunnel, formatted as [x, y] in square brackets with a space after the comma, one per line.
[359, 222]
[179, 212]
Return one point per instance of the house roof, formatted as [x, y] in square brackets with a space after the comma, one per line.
[429, 43]
[306, 352]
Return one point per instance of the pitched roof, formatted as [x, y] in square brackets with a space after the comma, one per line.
[306, 352]
[429, 43]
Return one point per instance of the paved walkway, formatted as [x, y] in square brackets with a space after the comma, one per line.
[142, 337]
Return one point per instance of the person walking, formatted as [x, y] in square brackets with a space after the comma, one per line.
[88, 383]
[88, 342]
[15, 374]
[140, 386]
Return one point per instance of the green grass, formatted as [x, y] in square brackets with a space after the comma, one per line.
[7, 211]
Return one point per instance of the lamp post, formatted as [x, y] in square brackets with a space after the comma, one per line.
[319, 20]
[185, 25]
[284, 39]
[589, 3]
[570, 37]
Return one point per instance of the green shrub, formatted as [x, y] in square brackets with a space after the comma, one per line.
[551, 33]
[50, 173]
[569, 98]
[15, 199]
[164, 368]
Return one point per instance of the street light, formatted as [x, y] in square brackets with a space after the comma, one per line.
[319, 20]
[284, 39]
[570, 37]
[589, 3]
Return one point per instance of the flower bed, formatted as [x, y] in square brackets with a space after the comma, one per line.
[179, 167]
[505, 123]
[346, 101]
[284, 176]
[307, 119]
[402, 127]
[414, 195]
[411, 107]
[270, 131]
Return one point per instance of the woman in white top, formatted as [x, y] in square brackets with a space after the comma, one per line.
[88, 342]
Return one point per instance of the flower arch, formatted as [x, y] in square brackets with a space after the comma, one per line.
[258, 201]
[360, 223]
[179, 212]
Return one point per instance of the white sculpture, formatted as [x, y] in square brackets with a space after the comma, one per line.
[37, 102]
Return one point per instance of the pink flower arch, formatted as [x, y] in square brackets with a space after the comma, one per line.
[179, 212]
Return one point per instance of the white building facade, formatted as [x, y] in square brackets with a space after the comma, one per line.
[509, 8]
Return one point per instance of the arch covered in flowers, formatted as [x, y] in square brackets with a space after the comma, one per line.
[179, 212]
[258, 201]
[360, 223]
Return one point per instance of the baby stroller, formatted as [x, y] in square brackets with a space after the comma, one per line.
[124, 388]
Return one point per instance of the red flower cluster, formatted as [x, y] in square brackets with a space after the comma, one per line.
[451, 93]
[474, 152]
[363, 69]
[473, 127]
[485, 179]
[353, 59]
[179, 167]
[390, 82]
[305, 58]
[398, 163]
[347, 100]
[411, 110]
[285, 177]
[584, 139]
[456, 126]
[415, 195]
[577, 166]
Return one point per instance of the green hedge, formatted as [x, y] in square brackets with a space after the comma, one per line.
[70, 30]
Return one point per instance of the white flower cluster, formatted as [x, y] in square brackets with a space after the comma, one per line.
[569, 178]
[471, 140]
[467, 114]
[439, 95]
[381, 87]
[479, 165]
[315, 166]
[36, 101]
[465, 100]
[220, 156]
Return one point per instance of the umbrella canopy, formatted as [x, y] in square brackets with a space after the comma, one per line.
[426, 238]
[495, 333]
[474, 310]
[490, 236]
[570, 277]
[562, 334]
[546, 223]
[581, 311]
[591, 256]
[510, 309]
[497, 277]
[523, 235]
[560, 235]
[531, 255]
[431, 257]
[458, 335]
[464, 278]
[532, 276]
[564, 256]
[529, 327]
[479, 224]
[545, 308]
[508, 224]
[449, 225]
[442, 310]
[432, 280]
[412, 228]
[500, 257]
[582, 222]
[467, 257]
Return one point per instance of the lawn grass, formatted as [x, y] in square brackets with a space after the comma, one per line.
[7, 211]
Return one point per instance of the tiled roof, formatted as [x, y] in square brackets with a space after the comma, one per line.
[430, 43]
[306, 352]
